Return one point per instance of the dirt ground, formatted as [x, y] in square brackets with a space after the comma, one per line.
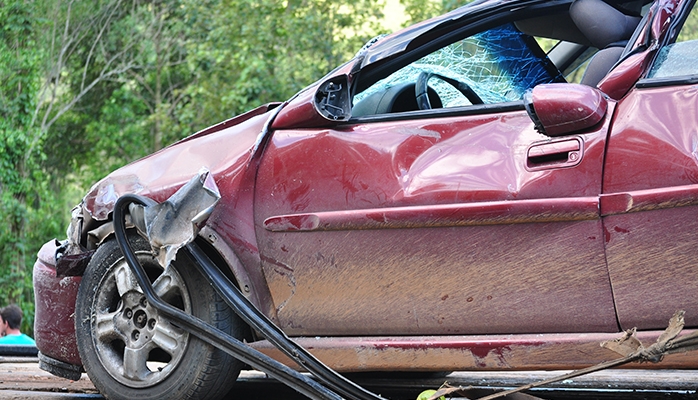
[21, 379]
[24, 374]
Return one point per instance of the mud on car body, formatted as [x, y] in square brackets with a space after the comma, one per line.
[452, 198]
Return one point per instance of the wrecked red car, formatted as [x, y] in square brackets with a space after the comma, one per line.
[453, 198]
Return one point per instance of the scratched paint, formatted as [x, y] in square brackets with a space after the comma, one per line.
[373, 280]
[462, 353]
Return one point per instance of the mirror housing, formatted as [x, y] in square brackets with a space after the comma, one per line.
[559, 109]
[322, 105]
[332, 99]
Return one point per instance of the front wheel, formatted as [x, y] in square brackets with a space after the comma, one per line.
[129, 350]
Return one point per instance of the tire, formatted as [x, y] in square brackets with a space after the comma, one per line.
[129, 351]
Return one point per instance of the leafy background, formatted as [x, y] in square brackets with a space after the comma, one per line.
[87, 86]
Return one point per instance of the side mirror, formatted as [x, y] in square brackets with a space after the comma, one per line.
[332, 99]
[323, 104]
[559, 109]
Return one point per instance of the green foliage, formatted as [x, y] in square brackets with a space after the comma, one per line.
[87, 86]
[23, 192]
[689, 31]
[419, 10]
[252, 53]
[196, 63]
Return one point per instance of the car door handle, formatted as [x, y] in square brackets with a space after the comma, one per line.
[563, 153]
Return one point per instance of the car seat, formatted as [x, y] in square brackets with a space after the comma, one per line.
[608, 29]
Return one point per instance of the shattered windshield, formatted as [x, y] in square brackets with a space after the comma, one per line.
[499, 65]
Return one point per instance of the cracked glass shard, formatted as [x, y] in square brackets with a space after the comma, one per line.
[678, 59]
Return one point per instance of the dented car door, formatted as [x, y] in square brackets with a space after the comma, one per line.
[438, 208]
[447, 223]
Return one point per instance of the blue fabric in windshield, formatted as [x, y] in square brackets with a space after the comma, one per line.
[520, 56]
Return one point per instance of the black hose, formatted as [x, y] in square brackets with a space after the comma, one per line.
[302, 383]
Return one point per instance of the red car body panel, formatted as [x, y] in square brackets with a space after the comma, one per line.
[652, 165]
[453, 192]
[54, 318]
[456, 225]
[624, 75]
[556, 119]
[472, 352]
[162, 173]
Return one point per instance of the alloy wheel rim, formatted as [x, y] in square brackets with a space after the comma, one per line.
[135, 344]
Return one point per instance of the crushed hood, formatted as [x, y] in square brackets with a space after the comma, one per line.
[223, 149]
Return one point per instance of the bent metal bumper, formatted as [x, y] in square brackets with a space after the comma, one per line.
[54, 320]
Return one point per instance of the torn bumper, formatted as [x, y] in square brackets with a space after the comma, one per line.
[54, 320]
[59, 266]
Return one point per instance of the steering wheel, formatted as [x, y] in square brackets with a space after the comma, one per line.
[421, 88]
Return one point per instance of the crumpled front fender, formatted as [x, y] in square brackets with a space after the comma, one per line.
[54, 318]
[228, 151]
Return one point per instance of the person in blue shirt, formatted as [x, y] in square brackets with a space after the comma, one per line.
[10, 321]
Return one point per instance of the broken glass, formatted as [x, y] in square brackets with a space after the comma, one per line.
[499, 65]
[678, 59]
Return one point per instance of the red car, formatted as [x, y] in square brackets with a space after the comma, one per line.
[449, 199]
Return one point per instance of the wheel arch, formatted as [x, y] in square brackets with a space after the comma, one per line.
[251, 282]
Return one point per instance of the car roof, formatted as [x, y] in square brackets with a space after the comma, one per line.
[398, 42]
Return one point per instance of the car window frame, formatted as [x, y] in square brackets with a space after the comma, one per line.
[373, 73]
[674, 30]
[491, 63]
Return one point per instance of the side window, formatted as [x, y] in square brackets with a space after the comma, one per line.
[681, 57]
[494, 66]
